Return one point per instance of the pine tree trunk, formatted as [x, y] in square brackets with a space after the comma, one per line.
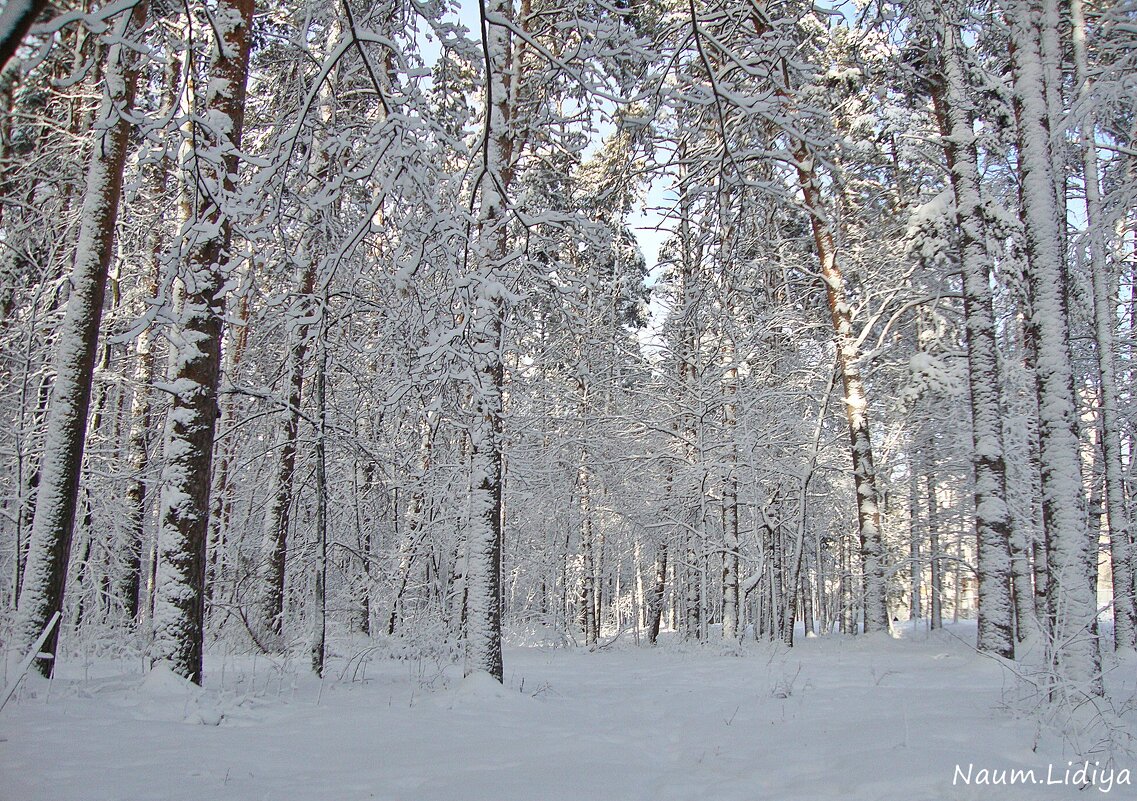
[855, 401]
[992, 516]
[138, 460]
[222, 489]
[53, 524]
[1072, 555]
[274, 532]
[731, 598]
[915, 536]
[1120, 532]
[657, 594]
[139, 604]
[179, 613]
[936, 579]
[588, 593]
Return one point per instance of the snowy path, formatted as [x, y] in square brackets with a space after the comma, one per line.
[831, 719]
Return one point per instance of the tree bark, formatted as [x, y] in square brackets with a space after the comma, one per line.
[484, 535]
[179, 613]
[274, 532]
[731, 596]
[992, 516]
[320, 600]
[1120, 531]
[856, 401]
[588, 589]
[1072, 554]
[53, 524]
[657, 593]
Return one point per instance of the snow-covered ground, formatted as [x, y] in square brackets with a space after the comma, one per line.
[833, 718]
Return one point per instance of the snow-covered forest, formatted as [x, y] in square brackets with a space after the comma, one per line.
[638, 333]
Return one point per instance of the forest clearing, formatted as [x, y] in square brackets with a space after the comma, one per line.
[848, 718]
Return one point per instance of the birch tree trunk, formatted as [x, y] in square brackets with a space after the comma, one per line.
[179, 608]
[1072, 554]
[484, 535]
[992, 515]
[45, 572]
[318, 640]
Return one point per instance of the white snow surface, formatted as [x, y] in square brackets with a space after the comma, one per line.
[855, 719]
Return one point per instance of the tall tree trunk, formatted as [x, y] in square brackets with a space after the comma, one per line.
[588, 589]
[411, 540]
[139, 604]
[937, 574]
[856, 401]
[179, 613]
[138, 460]
[1072, 554]
[992, 516]
[274, 532]
[222, 489]
[731, 597]
[657, 593]
[53, 524]
[484, 537]
[848, 355]
[1120, 532]
[319, 600]
[915, 537]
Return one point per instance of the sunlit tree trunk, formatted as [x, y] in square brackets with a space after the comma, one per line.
[42, 591]
[1072, 553]
[992, 516]
[855, 401]
[1120, 533]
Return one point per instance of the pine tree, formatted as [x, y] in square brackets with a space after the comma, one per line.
[992, 517]
[179, 609]
[57, 495]
[1072, 605]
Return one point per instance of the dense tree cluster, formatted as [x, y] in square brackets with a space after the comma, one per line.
[331, 315]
